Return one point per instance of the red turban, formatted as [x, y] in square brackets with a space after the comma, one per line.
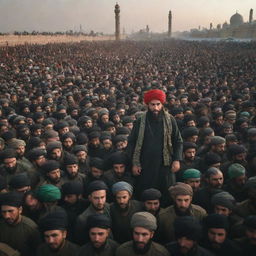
[155, 95]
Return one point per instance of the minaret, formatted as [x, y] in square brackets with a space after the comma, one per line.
[170, 24]
[117, 18]
[251, 16]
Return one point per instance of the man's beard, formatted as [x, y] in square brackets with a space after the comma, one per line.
[100, 248]
[73, 175]
[125, 209]
[156, 115]
[54, 181]
[183, 211]
[140, 250]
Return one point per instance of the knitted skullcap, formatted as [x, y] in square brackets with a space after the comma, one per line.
[180, 189]
[145, 220]
[120, 186]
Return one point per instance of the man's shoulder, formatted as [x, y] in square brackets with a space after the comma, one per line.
[198, 210]
[125, 247]
[159, 249]
[28, 222]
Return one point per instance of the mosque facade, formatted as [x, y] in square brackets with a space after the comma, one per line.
[236, 28]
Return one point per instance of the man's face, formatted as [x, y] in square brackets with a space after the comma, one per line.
[142, 237]
[219, 148]
[55, 238]
[71, 198]
[217, 236]
[98, 236]
[222, 210]
[123, 198]
[121, 145]
[98, 199]
[11, 214]
[40, 160]
[68, 142]
[88, 123]
[251, 235]
[20, 151]
[119, 169]
[194, 183]
[81, 156]
[185, 244]
[96, 173]
[54, 176]
[190, 154]
[72, 170]
[183, 202]
[95, 142]
[155, 106]
[152, 206]
[31, 202]
[107, 144]
[10, 163]
[216, 181]
[240, 181]
[193, 138]
[56, 154]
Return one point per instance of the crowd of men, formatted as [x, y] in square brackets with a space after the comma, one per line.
[128, 148]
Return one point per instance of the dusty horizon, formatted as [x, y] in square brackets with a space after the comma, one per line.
[98, 15]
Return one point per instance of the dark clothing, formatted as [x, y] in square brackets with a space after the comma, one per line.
[247, 247]
[237, 192]
[154, 173]
[155, 249]
[108, 249]
[23, 236]
[245, 208]
[174, 250]
[69, 249]
[203, 196]
[228, 247]
[73, 211]
[165, 230]
[121, 220]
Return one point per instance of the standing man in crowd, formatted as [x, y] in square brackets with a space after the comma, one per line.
[155, 146]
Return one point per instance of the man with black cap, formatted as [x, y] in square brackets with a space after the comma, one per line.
[97, 193]
[37, 157]
[81, 152]
[224, 204]
[143, 226]
[99, 228]
[17, 231]
[54, 229]
[155, 146]
[122, 210]
[182, 195]
[190, 160]
[10, 165]
[216, 238]
[188, 232]
[20, 183]
[71, 169]
[248, 243]
[73, 203]
[52, 173]
[151, 201]
[214, 182]
[118, 162]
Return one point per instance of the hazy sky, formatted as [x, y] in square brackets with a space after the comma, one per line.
[98, 15]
